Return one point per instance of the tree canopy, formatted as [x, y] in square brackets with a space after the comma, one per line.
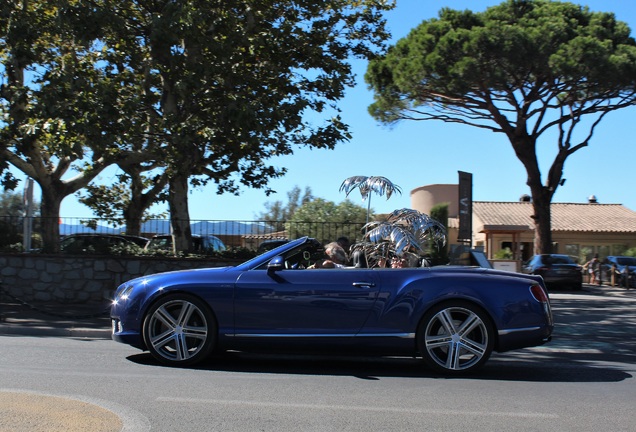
[313, 217]
[277, 212]
[523, 68]
[57, 101]
[204, 91]
[229, 84]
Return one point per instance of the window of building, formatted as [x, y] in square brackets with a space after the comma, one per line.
[587, 252]
[619, 249]
[572, 250]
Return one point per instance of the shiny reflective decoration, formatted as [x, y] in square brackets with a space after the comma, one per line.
[403, 230]
[452, 317]
[379, 185]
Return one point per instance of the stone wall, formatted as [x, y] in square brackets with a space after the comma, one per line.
[82, 279]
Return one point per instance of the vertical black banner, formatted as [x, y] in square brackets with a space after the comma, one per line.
[465, 207]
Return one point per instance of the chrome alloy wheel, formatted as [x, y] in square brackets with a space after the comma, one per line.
[179, 330]
[457, 339]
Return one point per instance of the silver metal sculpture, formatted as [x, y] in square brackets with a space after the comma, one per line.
[405, 231]
[377, 184]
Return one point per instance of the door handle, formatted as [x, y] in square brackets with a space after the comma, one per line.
[363, 284]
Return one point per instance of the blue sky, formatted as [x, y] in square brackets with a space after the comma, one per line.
[413, 154]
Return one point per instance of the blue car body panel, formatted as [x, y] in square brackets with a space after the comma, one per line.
[374, 309]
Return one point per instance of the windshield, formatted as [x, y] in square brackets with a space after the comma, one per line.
[630, 261]
[558, 259]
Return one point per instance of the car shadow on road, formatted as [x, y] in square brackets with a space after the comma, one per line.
[501, 367]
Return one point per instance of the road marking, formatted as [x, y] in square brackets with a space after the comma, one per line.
[614, 298]
[133, 421]
[558, 349]
[358, 408]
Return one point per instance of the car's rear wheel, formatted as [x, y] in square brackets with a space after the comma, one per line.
[179, 330]
[456, 337]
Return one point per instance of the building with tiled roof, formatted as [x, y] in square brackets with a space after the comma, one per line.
[578, 229]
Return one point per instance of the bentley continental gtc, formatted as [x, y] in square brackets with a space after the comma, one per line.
[452, 317]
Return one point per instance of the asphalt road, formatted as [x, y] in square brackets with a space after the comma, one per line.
[582, 381]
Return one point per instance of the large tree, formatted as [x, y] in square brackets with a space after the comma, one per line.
[523, 68]
[327, 221]
[13, 209]
[58, 103]
[277, 212]
[229, 84]
[127, 201]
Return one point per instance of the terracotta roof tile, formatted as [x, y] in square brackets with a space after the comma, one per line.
[565, 216]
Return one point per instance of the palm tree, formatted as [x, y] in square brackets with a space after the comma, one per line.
[379, 185]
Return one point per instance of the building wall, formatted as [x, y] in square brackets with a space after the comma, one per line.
[581, 244]
[424, 198]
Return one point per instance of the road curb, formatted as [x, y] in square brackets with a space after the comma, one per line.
[88, 333]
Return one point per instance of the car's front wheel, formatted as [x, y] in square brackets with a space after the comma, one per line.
[456, 337]
[179, 330]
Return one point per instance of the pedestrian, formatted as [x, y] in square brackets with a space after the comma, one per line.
[593, 268]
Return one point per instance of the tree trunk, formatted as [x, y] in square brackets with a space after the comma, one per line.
[542, 224]
[525, 150]
[50, 210]
[134, 211]
[179, 213]
[133, 216]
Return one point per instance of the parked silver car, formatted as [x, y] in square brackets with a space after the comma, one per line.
[623, 268]
[556, 270]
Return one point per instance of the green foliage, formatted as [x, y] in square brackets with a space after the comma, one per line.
[12, 210]
[224, 93]
[58, 102]
[439, 253]
[203, 91]
[277, 212]
[631, 252]
[112, 202]
[326, 221]
[522, 68]
[12, 205]
[10, 233]
[533, 51]
[504, 253]
[125, 250]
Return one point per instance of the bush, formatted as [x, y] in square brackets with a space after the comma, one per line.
[631, 252]
[504, 253]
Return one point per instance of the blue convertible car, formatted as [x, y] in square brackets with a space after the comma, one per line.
[453, 317]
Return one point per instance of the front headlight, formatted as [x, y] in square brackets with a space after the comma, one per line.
[122, 294]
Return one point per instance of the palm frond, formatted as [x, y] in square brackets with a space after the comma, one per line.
[377, 184]
[402, 231]
[400, 238]
[351, 183]
[382, 186]
[423, 226]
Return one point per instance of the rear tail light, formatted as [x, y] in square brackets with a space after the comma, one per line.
[539, 294]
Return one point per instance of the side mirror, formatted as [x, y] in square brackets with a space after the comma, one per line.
[276, 264]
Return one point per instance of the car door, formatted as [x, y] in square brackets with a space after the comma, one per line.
[303, 303]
